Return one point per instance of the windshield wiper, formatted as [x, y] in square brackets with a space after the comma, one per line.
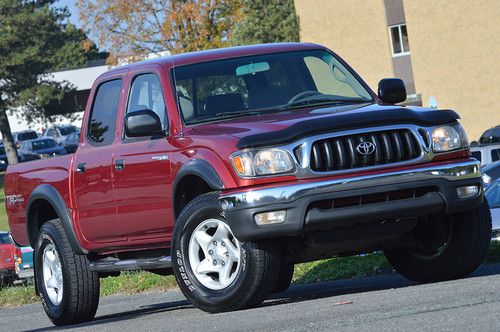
[223, 116]
[322, 100]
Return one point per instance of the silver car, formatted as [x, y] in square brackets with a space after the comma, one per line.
[486, 154]
[492, 193]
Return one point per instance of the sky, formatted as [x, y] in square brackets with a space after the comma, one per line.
[72, 8]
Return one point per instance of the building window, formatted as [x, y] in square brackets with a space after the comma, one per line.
[399, 39]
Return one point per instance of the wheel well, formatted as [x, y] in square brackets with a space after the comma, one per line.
[188, 188]
[39, 213]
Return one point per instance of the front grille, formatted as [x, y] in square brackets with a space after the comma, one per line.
[342, 153]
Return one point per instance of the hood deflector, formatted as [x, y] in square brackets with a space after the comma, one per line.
[349, 121]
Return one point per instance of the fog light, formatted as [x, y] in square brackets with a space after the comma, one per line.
[468, 191]
[267, 218]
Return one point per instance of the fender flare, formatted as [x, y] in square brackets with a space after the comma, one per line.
[201, 169]
[50, 194]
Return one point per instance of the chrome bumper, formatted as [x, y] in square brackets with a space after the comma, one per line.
[251, 198]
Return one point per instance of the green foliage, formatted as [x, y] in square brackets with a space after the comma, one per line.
[267, 21]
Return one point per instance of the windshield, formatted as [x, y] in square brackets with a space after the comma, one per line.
[43, 144]
[271, 82]
[67, 130]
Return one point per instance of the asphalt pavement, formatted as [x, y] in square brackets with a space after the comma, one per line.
[381, 303]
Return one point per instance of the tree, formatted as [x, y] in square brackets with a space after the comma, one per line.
[267, 21]
[34, 40]
[135, 28]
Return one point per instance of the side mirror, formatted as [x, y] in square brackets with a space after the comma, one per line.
[391, 90]
[142, 123]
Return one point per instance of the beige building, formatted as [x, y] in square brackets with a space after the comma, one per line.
[446, 51]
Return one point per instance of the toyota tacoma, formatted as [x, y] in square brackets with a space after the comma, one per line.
[227, 167]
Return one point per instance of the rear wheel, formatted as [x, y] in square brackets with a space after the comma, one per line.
[447, 246]
[68, 290]
[215, 271]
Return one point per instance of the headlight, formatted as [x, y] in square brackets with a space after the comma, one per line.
[262, 162]
[447, 138]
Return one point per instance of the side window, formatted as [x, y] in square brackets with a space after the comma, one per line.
[51, 133]
[495, 155]
[101, 129]
[146, 93]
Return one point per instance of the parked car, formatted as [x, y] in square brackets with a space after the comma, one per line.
[71, 142]
[492, 193]
[60, 133]
[486, 154]
[277, 154]
[491, 172]
[10, 255]
[25, 135]
[491, 136]
[20, 156]
[42, 148]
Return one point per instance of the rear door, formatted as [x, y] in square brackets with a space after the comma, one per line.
[94, 198]
[141, 166]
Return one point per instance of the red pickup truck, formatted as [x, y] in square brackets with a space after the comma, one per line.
[227, 167]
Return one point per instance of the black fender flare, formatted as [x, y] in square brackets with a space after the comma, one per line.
[50, 194]
[200, 168]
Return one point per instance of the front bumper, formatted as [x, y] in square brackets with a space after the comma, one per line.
[299, 199]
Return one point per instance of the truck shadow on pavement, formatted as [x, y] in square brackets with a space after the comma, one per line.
[296, 293]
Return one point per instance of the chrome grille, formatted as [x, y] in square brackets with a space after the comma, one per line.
[344, 153]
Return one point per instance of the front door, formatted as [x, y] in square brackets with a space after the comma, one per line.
[141, 167]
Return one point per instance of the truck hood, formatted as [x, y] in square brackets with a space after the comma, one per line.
[283, 127]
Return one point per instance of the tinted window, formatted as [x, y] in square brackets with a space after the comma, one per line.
[101, 128]
[43, 144]
[476, 154]
[2, 150]
[4, 239]
[495, 154]
[27, 136]
[67, 130]
[146, 94]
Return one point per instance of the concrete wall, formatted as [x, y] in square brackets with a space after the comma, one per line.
[354, 29]
[455, 51]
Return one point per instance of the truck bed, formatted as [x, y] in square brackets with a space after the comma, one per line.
[22, 179]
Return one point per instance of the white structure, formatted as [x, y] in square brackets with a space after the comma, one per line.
[82, 79]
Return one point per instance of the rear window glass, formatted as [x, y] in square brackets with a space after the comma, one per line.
[4, 239]
[476, 154]
[43, 144]
[27, 136]
[67, 130]
[103, 117]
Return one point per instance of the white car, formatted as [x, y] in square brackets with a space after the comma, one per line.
[60, 133]
[492, 193]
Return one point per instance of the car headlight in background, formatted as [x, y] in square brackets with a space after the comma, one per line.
[262, 162]
[448, 138]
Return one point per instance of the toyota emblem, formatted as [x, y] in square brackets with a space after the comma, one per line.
[366, 148]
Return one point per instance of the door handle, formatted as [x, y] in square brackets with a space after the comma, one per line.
[120, 165]
[80, 168]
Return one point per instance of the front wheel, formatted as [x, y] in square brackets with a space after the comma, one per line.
[68, 290]
[447, 246]
[214, 270]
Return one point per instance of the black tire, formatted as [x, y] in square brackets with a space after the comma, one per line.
[80, 297]
[465, 249]
[256, 276]
[285, 276]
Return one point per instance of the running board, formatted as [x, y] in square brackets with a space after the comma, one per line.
[117, 265]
